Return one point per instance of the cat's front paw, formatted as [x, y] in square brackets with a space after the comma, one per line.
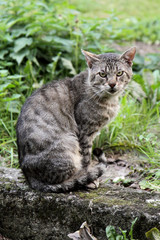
[93, 185]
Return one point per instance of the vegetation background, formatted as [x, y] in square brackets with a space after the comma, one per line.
[41, 40]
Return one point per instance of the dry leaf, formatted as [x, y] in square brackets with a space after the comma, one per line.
[82, 234]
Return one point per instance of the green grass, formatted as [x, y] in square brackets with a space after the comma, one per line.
[42, 40]
[130, 20]
[143, 9]
[135, 127]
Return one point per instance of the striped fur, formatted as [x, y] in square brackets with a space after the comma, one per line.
[59, 121]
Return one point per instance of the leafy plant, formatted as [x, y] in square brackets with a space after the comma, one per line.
[10, 102]
[140, 30]
[113, 235]
[39, 41]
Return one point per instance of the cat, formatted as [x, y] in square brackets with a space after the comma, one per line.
[59, 121]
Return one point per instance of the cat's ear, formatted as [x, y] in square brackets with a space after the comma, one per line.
[129, 55]
[91, 58]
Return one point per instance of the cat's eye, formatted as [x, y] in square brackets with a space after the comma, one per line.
[119, 73]
[102, 74]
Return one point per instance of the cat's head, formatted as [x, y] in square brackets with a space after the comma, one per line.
[109, 73]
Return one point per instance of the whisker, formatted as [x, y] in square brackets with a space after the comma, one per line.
[96, 94]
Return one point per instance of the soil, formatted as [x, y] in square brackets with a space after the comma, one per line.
[125, 169]
[142, 48]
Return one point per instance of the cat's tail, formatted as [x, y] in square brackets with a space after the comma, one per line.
[76, 182]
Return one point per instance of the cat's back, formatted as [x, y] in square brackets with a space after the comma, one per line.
[46, 96]
[46, 113]
[50, 110]
[45, 101]
[56, 94]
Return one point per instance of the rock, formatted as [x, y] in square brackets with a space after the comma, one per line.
[29, 215]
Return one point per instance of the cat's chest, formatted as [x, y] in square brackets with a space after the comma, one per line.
[99, 117]
[96, 115]
[105, 114]
[110, 111]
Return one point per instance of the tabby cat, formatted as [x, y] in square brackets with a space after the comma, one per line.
[59, 121]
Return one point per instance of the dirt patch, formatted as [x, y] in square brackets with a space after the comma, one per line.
[125, 169]
[142, 48]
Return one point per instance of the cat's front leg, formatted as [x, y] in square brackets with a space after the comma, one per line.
[86, 149]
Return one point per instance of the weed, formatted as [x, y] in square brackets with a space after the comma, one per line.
[113, 235]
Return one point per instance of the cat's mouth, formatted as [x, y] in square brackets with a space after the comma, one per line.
[112, 91]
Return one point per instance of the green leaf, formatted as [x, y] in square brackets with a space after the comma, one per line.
[68, 65]
[132, 226]
[43, 5]
[150, 184]
[120, 238]
[19, 31]
[2, 95]
[144, 184]
[16, 76]
[48, 38]
[52, 66]
[20, 43]
[2, 53]
[3, 73]
[124, 234]
[32, 30]
[153, 234]
[4, 86]
[19, 56]
[13, 97]
[111, 233]
[157, 174]
[68, 44]
[13, 107]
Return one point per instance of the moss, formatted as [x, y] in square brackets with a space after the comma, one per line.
[100, 196]
[119, 197]
[8, 186]
[150, 205]
[113, 202]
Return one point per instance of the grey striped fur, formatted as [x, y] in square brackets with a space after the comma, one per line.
[59, 121]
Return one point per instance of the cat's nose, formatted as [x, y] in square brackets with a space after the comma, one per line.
[112, 84]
